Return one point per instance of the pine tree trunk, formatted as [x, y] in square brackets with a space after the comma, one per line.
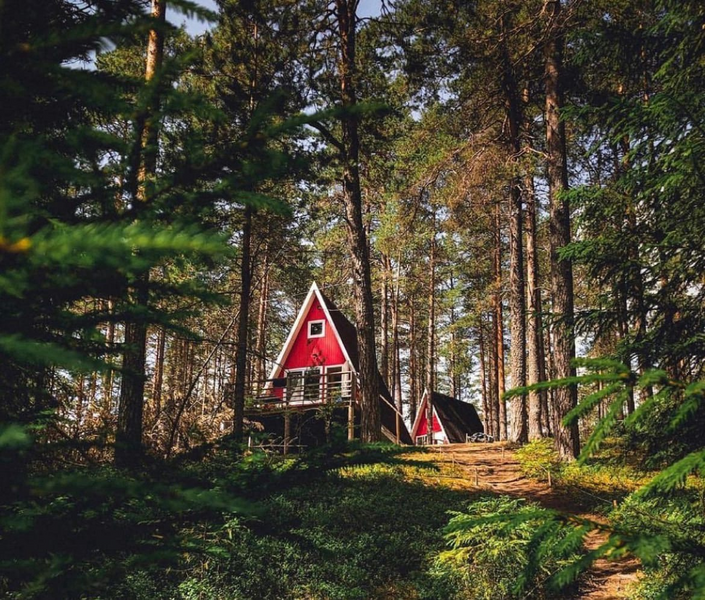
[243, 327]
[431, 335]
[413, 363]
[499, 329]
[536, 370]
[396, 366]
[158, 379]
[518, 430]
[548, 399]
[486, 414]
[261, 337]
[384, 322]
[492, 378]
[517, 308]
[128, 437]
[107, 401]
[566, 438]
[452, 351]
[370, 423]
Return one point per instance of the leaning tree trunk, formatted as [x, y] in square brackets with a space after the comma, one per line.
[370, 422]
[128, 437]
[566, 437]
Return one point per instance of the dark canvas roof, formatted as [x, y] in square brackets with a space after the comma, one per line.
[348, 335]
[457, 417]
[346, 330]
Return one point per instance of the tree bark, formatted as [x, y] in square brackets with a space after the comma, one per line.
[128, 437]
[431, 335]
[261, 337]
[566, 438]
[517, 309]
[158, 378]
[107, 400]
[486, 413]
[243, 327]
[413, 363]
[518, 430]
[492, 378]
[499, 329]
[384, 321]
[370, 422]
[396, 366]
[536, 368]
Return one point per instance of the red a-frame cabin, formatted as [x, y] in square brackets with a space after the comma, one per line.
[318, 367]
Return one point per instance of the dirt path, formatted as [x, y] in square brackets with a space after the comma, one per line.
[496, 469]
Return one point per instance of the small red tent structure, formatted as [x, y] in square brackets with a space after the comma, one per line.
[318, 366]
[453, 420]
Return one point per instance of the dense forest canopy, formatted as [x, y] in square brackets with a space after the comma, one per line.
[506, 197]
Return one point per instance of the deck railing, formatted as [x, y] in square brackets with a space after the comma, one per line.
[300, 389]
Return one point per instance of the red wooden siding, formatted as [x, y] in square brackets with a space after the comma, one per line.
[314, 352]
[423, 425]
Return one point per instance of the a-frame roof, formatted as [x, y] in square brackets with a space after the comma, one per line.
[344, 330]
[346, 334]
[457, 418]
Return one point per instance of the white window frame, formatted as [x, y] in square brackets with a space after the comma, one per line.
[322, 322]
[345, 381]
[298, 393]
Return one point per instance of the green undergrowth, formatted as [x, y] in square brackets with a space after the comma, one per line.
[340, 523]
[595, 484]
[675, 528]
[664, 529]
[501, 547]
[344, 522]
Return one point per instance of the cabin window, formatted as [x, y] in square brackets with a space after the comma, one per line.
[304, 385]
[337, 383]
[316, 329]
[312, 383]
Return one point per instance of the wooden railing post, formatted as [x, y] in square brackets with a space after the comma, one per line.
[287, 419]
[351, 411]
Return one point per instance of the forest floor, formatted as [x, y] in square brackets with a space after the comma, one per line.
[495, 468]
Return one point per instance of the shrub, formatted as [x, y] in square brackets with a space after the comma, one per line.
[673, 532]
[505, 548]
[538, 458]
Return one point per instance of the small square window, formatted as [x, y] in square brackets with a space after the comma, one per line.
[316, 329]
